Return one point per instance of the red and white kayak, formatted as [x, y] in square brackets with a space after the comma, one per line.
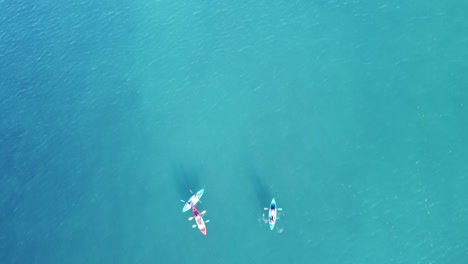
[198, 220]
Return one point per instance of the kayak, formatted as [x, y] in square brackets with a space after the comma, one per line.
[198, 220]
[193, 200]
[272, 213]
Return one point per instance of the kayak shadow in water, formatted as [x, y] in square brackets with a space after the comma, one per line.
[186, 179]
[262, 191]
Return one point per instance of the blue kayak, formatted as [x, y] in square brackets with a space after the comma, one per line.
[193, 200]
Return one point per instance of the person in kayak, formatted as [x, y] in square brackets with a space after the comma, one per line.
[273, 208]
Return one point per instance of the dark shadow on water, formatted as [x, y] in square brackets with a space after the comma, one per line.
[262, 191]
[186, 179]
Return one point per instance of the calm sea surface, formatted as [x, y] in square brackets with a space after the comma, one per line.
[352, 114]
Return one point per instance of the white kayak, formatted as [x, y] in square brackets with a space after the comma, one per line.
[273, 213]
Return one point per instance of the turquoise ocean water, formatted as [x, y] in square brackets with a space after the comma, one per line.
[352, 114]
